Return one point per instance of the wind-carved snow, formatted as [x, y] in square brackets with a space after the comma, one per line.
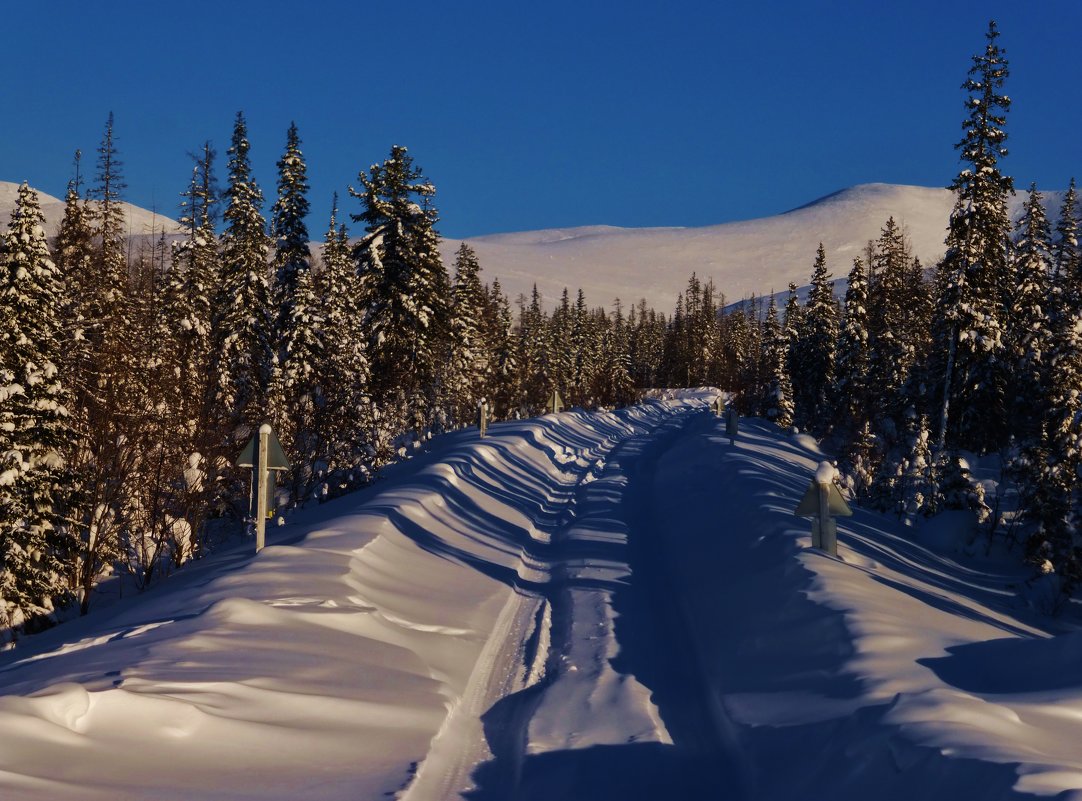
[609, 606]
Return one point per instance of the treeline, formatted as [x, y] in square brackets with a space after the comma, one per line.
[131, 376]
[134, 369]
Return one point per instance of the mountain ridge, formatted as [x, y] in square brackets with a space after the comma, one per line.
[744, 258]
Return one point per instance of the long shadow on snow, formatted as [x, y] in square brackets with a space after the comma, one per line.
[655, 647]
[857, 754]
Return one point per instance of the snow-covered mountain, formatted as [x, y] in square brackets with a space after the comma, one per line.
[140, 221]
[751, 257]
[744, 258]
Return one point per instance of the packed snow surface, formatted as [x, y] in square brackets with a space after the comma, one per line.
[615, 605]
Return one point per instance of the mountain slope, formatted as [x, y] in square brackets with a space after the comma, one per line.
[743, 258]
[750, 257]
[140, 221]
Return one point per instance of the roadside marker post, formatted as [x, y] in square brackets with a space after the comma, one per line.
[822, 500]
[556, 403]
[263, 453]
[482, 417]
[732, 423]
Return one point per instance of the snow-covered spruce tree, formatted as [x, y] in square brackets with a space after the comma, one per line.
[777, 405]
[850, 391]
[289, 232]
[189, 291]
[794, 325]
[646, 343]
[751, 378]
[702, 329]
[74, 254]
[860, 461]
[890, 353]
[617, 389]
[242, 318]
[345, 420]
[1052, 466]
[531, 356]
[583, 360]
[734, 349]
[34, 426]
[405, 284]
[561, 348]
[675, 357]
[813, 367]
[295, 393]
[153, 538]
[1065, 254]
[918, 480]
[106, 391]
[973, 275]
[468, 367]
[186, 329]
[502, 387]
[1027, 331]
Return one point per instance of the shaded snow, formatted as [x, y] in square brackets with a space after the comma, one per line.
[605, 606]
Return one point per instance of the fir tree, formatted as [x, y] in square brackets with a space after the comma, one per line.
[404, 282]
[890, 353]
[777, 404]
[289, 232]
[533, 381]
[1049, 470]
[1027, 329]
[973, 274]
[74, 254]
[34, 427]
[295, 394]
[242, 307]
[850, 393]
[503, 388]
[107, 390]
[813, 368]
[345, 420]
[469, 360]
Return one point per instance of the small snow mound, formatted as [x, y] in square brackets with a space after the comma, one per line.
[65, 704]
[825, 473]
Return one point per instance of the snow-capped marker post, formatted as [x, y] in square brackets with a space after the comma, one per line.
[821, 501]
[732, 423]
[556, 403]
[482, 417]
[263, 453]
[719, 405]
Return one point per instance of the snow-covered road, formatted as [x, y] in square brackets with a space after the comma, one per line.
[584, 606]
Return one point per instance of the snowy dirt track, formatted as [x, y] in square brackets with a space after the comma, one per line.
[585, 606]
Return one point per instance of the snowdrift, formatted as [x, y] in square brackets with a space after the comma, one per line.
[601, 606]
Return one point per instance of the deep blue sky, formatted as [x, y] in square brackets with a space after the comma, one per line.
[539, 114]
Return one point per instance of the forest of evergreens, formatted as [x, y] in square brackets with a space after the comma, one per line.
[133, 371]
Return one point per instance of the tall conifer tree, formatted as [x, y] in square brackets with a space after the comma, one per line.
[34, 427]
[243, 321]
[973, 276]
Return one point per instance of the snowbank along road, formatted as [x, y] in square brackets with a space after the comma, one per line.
[587, 606]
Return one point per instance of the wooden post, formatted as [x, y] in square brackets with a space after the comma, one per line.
[261, 488]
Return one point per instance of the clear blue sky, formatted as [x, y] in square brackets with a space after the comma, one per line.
[538, 114]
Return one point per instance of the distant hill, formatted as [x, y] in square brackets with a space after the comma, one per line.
[140, 221]
[752, 257]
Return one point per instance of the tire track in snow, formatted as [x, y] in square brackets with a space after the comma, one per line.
[478, 728]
